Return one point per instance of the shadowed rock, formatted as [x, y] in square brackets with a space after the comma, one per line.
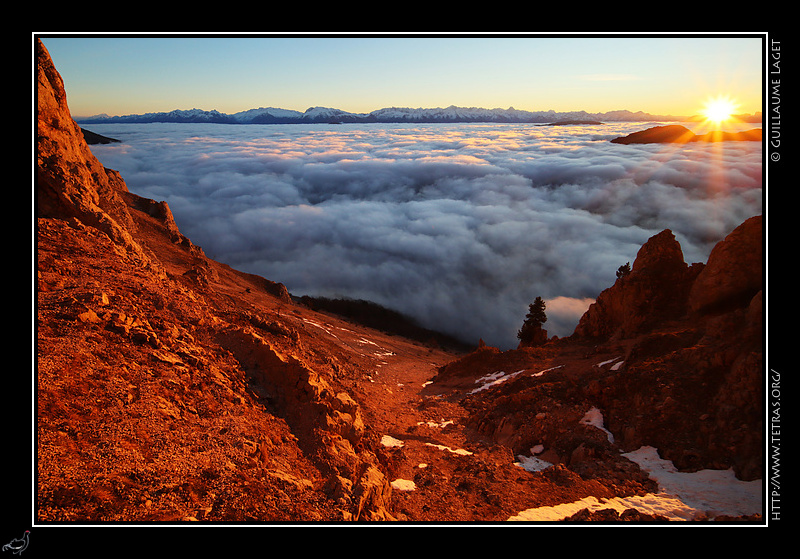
[677, 134]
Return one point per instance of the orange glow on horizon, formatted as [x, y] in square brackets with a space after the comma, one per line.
[719, 109]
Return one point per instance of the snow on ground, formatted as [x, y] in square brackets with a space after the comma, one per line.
[389, 441]
[540, 373]
[321, 326]
[664, 505]
[615, 367]
[594, 418]
[714, 492]
[408, 485]
[493, 379]
[682, 496]
[532, 463]
[604, 363]
[459, 451]
[380, 352]
[433, 424]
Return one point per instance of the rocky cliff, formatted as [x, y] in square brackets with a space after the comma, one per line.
[164, 379]
[662, 287]
[655, 290]
[170, 387]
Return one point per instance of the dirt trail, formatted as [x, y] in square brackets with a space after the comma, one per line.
[395, 375]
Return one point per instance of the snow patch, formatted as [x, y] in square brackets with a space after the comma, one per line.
[664, 505]
[532, 463]
[390, 441]
[499, 377]
[594, 418]
[459, 451]
[321, 326]
[682, 496]
[492, 379]
[712, 492]
[604, 363]
[540, 373]
[433, 424]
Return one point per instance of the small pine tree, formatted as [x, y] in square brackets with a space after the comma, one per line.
[624, 270]
[533, 321]
[536, 312]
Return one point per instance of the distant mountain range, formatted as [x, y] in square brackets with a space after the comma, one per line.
[451, 114]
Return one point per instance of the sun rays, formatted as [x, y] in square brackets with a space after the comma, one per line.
[720, 109]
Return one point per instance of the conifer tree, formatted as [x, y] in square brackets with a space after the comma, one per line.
[533, 322]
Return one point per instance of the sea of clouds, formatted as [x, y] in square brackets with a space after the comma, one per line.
[460, 226]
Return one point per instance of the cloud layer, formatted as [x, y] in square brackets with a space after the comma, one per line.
[459, 226]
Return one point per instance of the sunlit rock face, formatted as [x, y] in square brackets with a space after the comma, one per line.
[70, 181]
[655, 290]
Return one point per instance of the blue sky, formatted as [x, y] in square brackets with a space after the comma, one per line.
[661, 75]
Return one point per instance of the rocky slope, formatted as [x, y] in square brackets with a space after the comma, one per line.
[170, 387]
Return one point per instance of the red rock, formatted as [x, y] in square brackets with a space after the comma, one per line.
[655, 290]
[734, 272]
[70, 181]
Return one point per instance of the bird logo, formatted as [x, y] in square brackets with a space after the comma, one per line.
[18, 545]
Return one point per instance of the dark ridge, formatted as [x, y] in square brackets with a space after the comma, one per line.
[573, 122]
[373, 315]
[92, 138]
[677, 134]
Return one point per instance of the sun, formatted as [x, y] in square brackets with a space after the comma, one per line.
[719, 109]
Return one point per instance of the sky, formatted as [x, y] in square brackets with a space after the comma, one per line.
[654, 74]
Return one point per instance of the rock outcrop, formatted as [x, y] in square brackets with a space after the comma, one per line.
[70, 181]
[734, 272]
[662, 287]
[656, 289]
